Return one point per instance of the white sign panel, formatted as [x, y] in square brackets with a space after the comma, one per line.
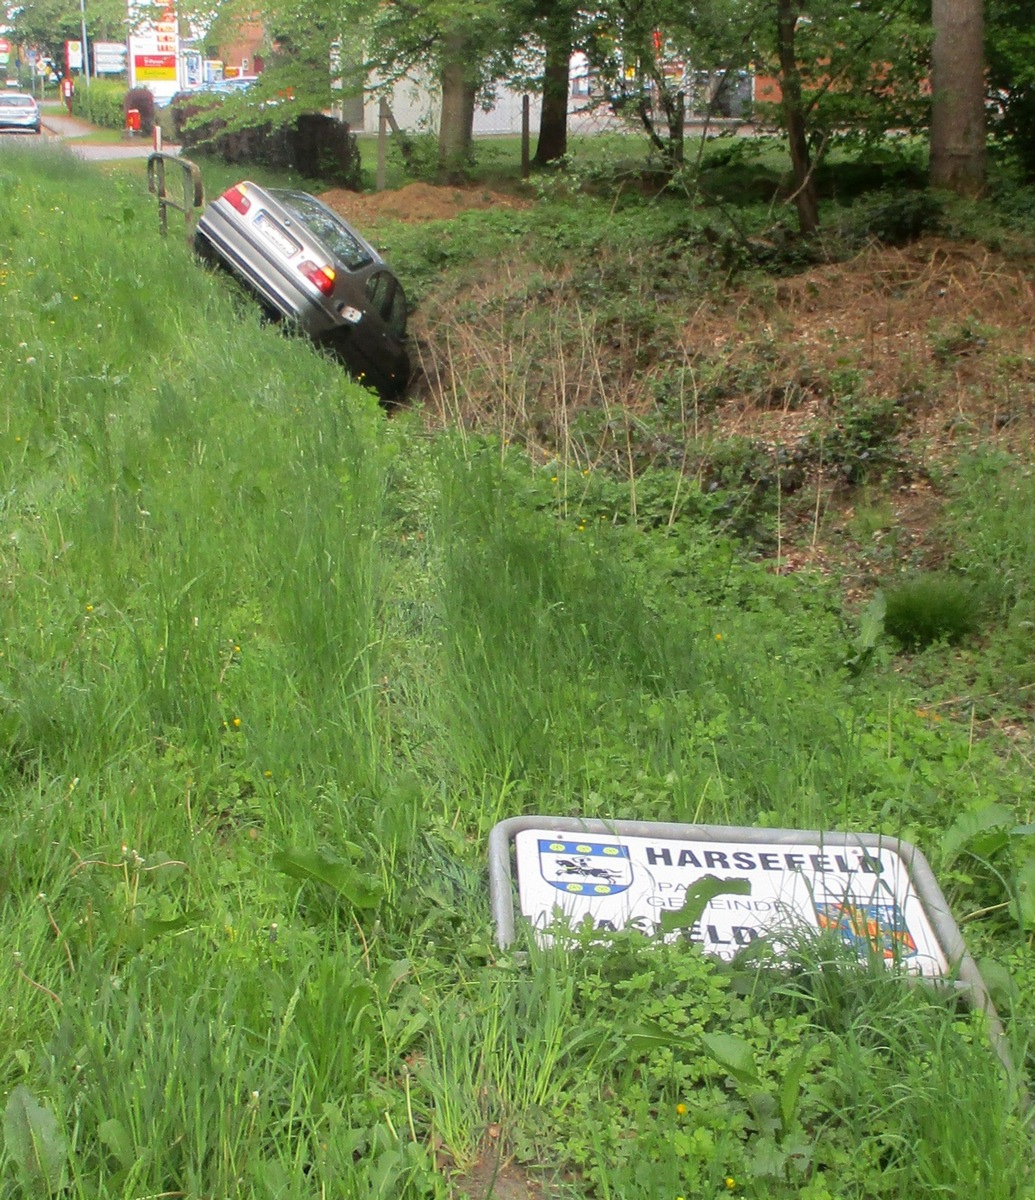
[190, 63]
[779, 890]
[109, 58]
[154, 51]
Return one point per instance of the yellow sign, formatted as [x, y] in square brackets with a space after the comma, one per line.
[155, 67]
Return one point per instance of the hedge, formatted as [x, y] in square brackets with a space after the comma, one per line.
[102, 103]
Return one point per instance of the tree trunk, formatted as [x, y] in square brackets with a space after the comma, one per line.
[958, 96]
[675, 113]
[553, 119]
[457, 119]
[805, 199]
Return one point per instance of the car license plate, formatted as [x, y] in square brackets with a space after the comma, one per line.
[272, 232]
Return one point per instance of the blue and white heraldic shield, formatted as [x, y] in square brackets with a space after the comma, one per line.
[585, 868]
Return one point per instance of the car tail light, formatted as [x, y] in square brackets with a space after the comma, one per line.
[323, 277]
[237, 196]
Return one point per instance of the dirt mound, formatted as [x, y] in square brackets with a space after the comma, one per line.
[943, 329]
[417, 202]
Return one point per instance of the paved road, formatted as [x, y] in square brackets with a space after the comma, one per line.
[138, 149]
[58, 127]
[72, 130]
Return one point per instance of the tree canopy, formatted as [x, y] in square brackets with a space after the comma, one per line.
[847, 68]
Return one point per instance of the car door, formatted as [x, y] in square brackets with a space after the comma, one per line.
[376, 346]
[387, 299]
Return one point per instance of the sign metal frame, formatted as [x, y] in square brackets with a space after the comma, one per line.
[963, 975]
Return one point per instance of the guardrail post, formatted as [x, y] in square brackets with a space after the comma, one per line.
[193, 188]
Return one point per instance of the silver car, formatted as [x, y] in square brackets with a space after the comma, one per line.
[308, 266]
[19, 111]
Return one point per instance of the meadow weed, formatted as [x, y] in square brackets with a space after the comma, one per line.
[272, 665]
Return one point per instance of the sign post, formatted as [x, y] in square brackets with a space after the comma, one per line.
[86, 56]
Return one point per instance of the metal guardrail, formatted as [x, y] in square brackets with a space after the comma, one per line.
[193, 189]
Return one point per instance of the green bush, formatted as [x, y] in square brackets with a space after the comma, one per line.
[931, 607]
[102, 103]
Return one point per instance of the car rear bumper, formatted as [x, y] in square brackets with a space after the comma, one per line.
[278, 285]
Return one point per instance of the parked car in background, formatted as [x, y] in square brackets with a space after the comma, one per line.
[216, 87]
[207, 98]
[228, 87]
[309, 267]
[19, 111]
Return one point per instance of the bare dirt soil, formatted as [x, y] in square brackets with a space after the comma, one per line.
[489, 1179]
[417, 202]
[948, 326]
[943, 331]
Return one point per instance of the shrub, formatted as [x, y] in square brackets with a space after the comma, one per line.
[314, 145]
[142, 99]
[930, 607]
[894, 216]
[182, 109]
[102, 103]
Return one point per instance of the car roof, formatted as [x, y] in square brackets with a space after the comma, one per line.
[224, 85]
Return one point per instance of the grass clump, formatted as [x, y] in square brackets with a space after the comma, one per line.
[930, 607]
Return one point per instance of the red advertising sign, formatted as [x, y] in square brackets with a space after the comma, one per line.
[154, 66]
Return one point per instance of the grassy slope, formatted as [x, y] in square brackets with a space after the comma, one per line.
[272, 666]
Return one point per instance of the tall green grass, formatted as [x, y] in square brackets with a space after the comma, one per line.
[271, 666]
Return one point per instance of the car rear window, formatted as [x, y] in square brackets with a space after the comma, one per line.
[14, 101]
[333, 233]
